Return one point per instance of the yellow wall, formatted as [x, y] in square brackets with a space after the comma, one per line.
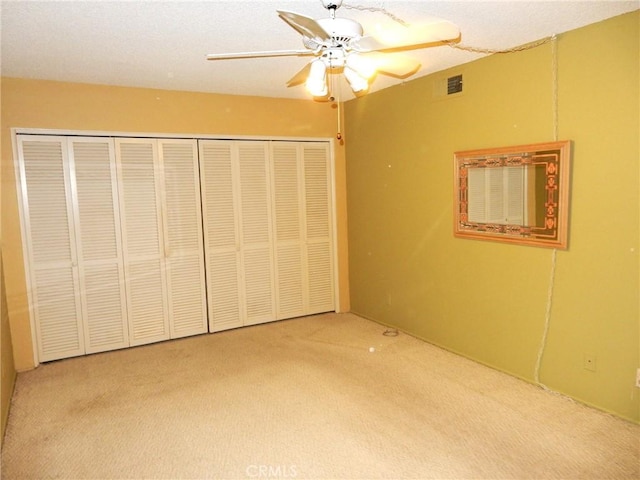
[6, 354]
[487, 300]
[55, 105]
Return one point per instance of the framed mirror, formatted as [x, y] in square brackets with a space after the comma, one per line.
[514, 194]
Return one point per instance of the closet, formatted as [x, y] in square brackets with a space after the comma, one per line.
[130, 241]
[268, 230]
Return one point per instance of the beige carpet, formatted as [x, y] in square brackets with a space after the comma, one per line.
[303, 398]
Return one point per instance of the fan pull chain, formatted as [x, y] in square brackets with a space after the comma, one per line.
[335, 97]
[339, 133]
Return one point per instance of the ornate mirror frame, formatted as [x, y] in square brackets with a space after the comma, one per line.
[553, 159]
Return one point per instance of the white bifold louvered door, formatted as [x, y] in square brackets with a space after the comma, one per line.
[183, 237]
[100, 257]
[50, 240]
[72, 236]
[317, 226]
[268, 242]
[254, 194]
[302, 226]
[142, 231]
[163, 254]
[236, 200]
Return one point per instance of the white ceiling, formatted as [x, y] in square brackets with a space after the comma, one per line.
[163, 44]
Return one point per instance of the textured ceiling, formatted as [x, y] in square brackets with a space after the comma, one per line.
[161, 44]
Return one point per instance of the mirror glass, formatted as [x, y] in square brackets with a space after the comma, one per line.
[513, 194]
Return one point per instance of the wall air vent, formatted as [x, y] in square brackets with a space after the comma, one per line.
[454, 84]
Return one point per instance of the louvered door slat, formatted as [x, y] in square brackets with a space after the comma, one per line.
[140, 204]
[290, 281]
[54, 292]
[319, 243]
[253, 178]
[100, 248]
[288, 220]
[95, 178]
[57, 314]
[286, 162]
[316, 184]
[256, 234]
[142, 233]
[47, 199]
[224, 293]
[221, 237]
[321, 297]
[185, 257]
[258, 276]
[148, 322]
[105, 317]
[218, 198]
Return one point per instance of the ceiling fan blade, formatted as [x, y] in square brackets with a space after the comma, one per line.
[272, 53]
[416, 36]
[305, 25]
[393, 64]
[300, 77]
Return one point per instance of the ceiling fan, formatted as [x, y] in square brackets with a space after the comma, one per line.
[340, 46]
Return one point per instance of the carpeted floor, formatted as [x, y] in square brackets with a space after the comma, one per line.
[305, 398]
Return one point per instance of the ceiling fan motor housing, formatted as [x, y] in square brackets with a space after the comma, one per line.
[340, 30]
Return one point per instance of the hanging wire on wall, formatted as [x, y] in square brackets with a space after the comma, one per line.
[490, 51]
[457, 46]
[554, 85]
[554, 254]
[363, 8]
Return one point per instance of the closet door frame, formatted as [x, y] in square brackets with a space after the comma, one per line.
[23, 209]
[25, 235]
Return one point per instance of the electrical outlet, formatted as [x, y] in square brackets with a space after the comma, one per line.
[638, 378]
[589, 362]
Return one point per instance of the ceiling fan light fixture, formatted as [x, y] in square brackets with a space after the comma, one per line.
[358, 83]
[317, 80]
[340, 47]
[361, 65]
